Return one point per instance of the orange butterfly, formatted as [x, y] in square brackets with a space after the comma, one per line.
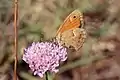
[71, 33]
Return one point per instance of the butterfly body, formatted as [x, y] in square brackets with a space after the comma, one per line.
[71, 33]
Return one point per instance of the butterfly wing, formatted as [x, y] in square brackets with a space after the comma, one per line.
[74, 20]
[73, 38]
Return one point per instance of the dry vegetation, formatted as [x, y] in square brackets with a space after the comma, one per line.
[98, 59]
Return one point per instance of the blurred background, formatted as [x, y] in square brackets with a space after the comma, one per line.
[98, 59]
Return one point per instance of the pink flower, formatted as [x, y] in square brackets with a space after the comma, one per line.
[44, 56]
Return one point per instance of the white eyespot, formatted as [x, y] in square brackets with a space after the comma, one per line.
[73, 17]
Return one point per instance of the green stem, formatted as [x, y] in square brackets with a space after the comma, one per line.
[46, 75]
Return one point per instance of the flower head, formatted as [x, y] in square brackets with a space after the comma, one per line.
[44, 56]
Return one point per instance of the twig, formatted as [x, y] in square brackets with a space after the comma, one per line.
[15, 38]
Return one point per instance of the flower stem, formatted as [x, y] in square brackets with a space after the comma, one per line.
[46, 75]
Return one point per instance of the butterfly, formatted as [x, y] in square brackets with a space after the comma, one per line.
[72, 33]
